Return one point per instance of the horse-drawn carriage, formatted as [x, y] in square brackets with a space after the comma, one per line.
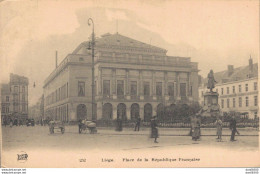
[87, 125]
[56, 125]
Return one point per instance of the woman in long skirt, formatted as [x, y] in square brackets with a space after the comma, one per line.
[219, 128]
[154, 130]
[195, 128]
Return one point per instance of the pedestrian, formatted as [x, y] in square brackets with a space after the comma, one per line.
[137, 124]
[195, 127]
[5, 122]
[154, 129]
[233, 128]
[219, 125]
[79, 124]
[120, 126]
[11, 122]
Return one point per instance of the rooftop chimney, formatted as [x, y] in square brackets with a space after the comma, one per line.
[230, 70]
[250, 64]
[250, 67]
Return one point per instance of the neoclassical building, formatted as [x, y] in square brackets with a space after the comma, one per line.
[132, 79]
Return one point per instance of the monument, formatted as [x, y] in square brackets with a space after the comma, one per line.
[211, 106]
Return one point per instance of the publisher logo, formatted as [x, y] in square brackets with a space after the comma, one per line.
[22, 157]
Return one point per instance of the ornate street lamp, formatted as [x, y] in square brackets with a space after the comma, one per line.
[90, 21]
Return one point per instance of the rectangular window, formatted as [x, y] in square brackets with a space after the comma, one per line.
[228, 103]
[240, 101]
[255, 86]
[16, 89]
[16, 98]
[247, 102]
[59, 94]
[120, 87]
[234, 102]
[23, 89]
[202, 94]
[16, 109]
[7, 98]
[23, 98]
[227, 90]
[106, 87]
[255, 114]
[146, 88]
[239, 88]
[171, 89]
[222, 103]
[234, 89]
[7, 109]
[133, 88]
[56, 95]
[246, 87]
[222, 91]
[183, 89]
[81, 89]
[255, 100]
[159, 88]
[23, 107]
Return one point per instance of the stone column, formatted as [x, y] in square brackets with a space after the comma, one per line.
[189, 87]
[99, 110]
[127, 85]
[177, 86]
[188, 84]
[166, 85]
[114, 83]
[141, 91]
[141, 111]
[128, 112]
[153, 86]
[114, 111]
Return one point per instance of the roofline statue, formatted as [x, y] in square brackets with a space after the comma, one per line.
[211, 81]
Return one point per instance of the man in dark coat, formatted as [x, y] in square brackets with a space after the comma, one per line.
[233, 128]
[137, 124]
[79, 124]
[154, 130]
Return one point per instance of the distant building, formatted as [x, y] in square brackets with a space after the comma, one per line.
[132, 79]
[237, 88]
[14, 98]
[36, 111]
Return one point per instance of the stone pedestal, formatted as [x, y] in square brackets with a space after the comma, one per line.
[211, 106]
[210, 98]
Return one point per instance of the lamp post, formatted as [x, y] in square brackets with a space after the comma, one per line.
[90, 22]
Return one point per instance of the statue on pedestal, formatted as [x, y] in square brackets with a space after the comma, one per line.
[211, 81]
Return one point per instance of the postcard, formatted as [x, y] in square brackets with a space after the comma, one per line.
[129, 84]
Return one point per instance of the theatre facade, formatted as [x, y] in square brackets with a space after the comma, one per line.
[132, 79]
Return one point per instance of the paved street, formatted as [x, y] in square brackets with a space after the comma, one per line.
[65, 150]
[39, 137]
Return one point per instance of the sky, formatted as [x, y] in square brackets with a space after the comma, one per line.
[213, 33]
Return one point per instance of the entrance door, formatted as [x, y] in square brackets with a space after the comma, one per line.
[121, 111]
[148, 112]
[81, 112]
[107, 111]
[135, 111]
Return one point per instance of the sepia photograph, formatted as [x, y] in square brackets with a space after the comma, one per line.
[129, 84]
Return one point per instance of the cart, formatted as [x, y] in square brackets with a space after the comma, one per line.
[56, 125]
[87, 125]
